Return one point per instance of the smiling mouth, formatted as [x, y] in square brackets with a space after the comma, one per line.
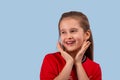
[70, 43]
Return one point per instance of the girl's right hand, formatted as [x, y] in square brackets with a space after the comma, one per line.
[64, 54]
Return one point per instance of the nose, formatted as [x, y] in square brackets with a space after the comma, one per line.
[69, 36]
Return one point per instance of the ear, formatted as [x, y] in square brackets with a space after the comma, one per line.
[87, 34]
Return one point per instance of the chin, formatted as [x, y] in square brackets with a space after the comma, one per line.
[70, 50]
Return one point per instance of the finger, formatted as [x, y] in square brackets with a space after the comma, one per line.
[87, 44]
[64, 54]
[59, 46]
[84, 47]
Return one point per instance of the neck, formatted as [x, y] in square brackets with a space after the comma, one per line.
[73, 53]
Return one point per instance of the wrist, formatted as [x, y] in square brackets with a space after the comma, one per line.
[70, 62]
[78, 63]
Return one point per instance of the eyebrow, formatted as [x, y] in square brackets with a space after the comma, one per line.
[74, 29]
[70, 29]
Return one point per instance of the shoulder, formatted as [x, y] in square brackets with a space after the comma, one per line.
[52, 56]
[49, 68]
[93, 69]
[92, 66]
[90, 62]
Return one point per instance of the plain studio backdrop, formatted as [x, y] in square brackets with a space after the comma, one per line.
[29, 31]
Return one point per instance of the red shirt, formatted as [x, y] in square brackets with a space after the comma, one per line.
[53, 64]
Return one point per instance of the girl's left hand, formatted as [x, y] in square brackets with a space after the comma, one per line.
[80, 54]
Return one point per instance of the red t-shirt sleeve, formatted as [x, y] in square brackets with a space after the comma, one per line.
[48, 68]
[97, 73]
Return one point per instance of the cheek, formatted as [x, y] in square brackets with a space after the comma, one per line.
[80, 37]
[79, 40]
[61, 39]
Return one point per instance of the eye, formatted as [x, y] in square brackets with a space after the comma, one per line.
[74, 30]
[62, 32]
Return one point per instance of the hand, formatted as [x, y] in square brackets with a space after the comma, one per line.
[64, 54]
[80, 54]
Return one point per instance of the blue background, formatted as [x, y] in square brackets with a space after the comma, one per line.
[28, 31]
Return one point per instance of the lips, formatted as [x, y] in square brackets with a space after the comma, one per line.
[70, 43]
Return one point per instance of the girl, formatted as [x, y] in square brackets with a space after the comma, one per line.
[74, 61]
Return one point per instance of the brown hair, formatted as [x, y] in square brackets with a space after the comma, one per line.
[84, 23]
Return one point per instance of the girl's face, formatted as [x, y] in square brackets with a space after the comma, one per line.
[72, 34]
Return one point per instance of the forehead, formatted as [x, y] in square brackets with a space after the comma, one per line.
[68, 23]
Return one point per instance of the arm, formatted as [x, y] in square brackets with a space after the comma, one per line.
[78, 62]
[81, 72]
[65, 73]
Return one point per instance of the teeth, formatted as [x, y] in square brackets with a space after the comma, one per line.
[70, 42]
